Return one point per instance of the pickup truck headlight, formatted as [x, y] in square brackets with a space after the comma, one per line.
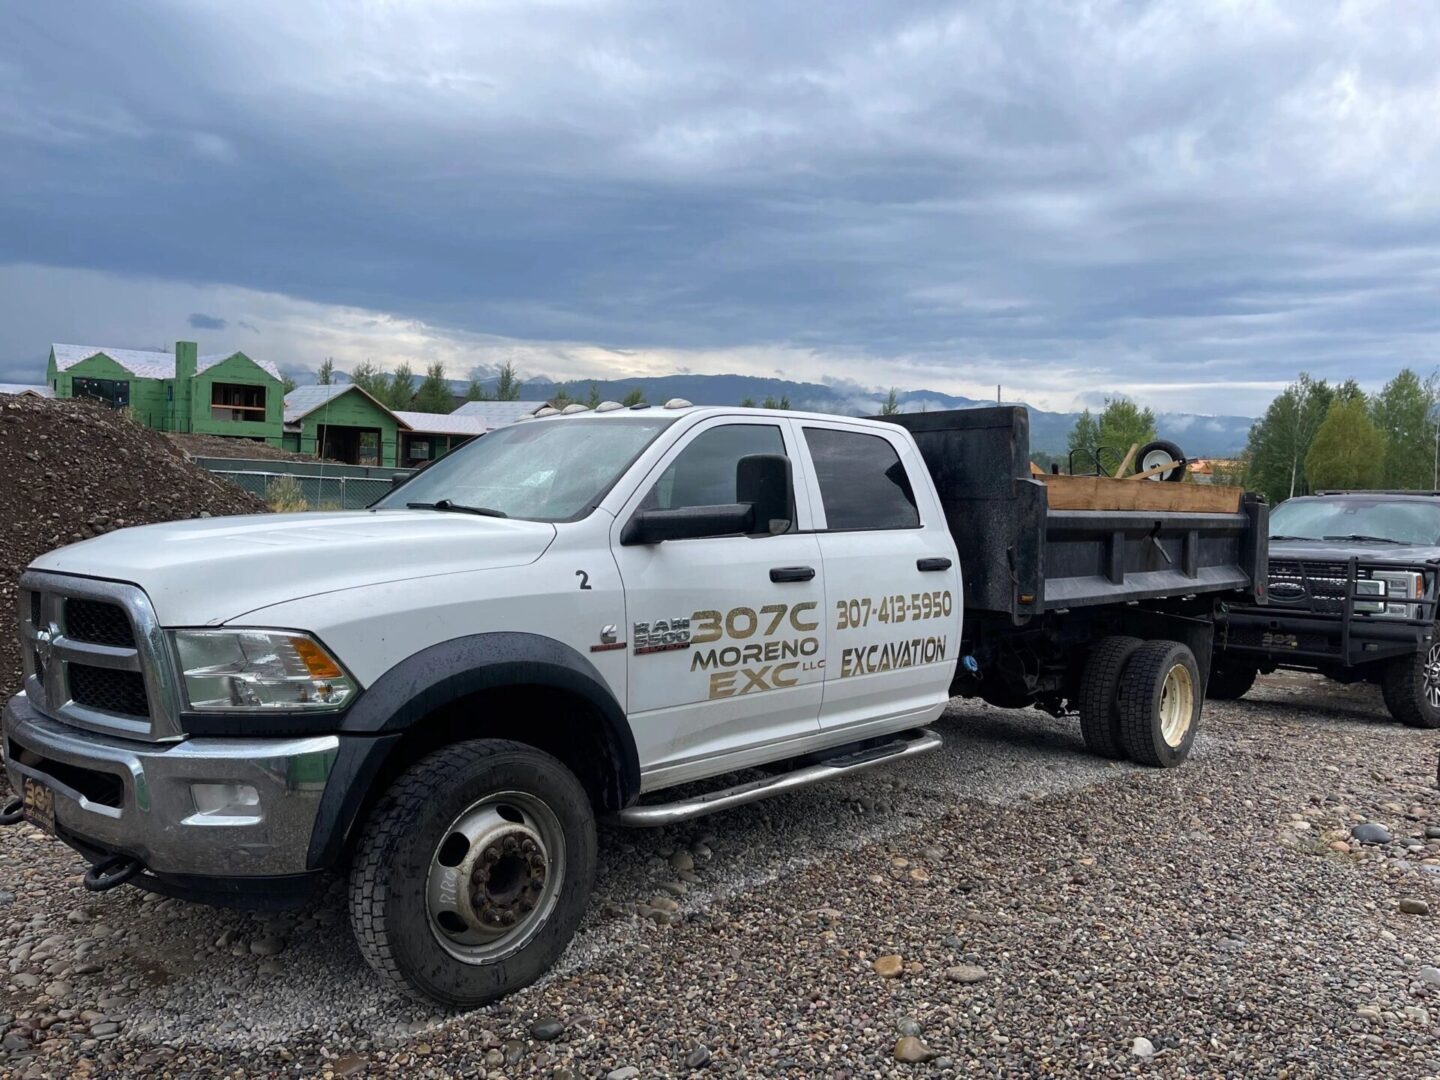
[240, 670]
[1404, 584]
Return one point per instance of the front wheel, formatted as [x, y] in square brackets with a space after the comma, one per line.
[1411, 686]
[473, 872]
[1230, 682]
[1160, 699]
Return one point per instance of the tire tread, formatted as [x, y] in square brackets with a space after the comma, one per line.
[1099, 693]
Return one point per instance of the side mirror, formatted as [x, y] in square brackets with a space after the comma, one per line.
[763, 481]
[396, 479]
[689, 523]
[762, 484]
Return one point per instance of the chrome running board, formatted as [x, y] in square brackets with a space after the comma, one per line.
[909, 744]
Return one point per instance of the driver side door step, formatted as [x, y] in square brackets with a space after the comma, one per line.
[908, 744]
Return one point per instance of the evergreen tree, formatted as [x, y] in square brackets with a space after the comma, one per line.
[371, 379]
[326, 375]
[507, 386]
[477, 391]
[594, 398]
[635, 397]
[400, 391]
[891, 405]
[286, 384]
[747, 402]
[434, 394]
[1348, 450]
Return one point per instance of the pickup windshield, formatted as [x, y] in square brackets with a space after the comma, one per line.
[541, 470]
[1358, 520]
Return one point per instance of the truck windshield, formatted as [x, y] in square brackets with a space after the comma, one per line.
[1399, 521]
[546, 470]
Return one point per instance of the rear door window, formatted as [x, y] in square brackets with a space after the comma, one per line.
[863, 484]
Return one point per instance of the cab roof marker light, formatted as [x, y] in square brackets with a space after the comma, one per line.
[641, 405]
[576, 407]
[678, 403]
[608, 406]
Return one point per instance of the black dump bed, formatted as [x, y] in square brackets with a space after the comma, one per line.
[1020, 557]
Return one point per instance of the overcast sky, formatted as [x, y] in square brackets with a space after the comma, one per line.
[1189, 202]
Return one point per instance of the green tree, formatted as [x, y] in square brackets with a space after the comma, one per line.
[1085, 437]
[593, 398]
[1124, 424]
[400, 391]
[561, 397]
[1402, 411]
[635, 397]
[368, 376]
[286, 384]
[747, 402]
[476, 391]
[771, 403]
[1280, 440]
[891, 405]
[1348, 450]
[434, 395]
[326, 375]
[1350, 390]
[507, 386]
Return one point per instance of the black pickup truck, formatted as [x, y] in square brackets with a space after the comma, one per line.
[1352, 595]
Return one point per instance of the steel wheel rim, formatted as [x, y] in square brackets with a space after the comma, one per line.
[1432, 676]
[495, 876]
[1150, 460]
[1177, 704]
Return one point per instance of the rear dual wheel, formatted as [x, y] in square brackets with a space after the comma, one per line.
[1141, 700]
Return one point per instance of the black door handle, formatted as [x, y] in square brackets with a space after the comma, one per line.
[792, 573]
[941, 563]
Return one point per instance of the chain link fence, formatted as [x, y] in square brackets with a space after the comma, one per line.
[283, 486]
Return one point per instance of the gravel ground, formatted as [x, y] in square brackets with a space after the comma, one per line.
[1005, 907]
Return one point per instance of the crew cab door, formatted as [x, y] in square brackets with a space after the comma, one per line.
[892, 581]
[726, 633]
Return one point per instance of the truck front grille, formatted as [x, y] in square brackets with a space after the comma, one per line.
[95, 657]
[113, 691]
[1317, 586]
[99, 623]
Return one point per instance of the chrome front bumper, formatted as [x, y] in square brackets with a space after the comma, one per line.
[134, 798]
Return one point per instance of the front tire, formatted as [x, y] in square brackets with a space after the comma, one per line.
[1411, 686]
[1160, 699]
[473, 872]
[1230, 682]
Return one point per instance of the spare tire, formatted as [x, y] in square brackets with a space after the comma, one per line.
[1158, 453]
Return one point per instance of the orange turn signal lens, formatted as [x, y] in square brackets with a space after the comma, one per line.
[316, 660]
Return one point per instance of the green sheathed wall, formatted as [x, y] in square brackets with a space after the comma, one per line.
[238, 369]
[350, 409]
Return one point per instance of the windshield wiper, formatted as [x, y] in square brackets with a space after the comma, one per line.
[1363, 539]
[1278, 536]
[454, 507]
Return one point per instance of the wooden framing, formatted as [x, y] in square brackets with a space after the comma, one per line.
[1104, 493]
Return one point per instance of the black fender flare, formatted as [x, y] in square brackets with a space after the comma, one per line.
[436, 676]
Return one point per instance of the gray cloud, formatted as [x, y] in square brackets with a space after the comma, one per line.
[1188, 202]
[206, 322]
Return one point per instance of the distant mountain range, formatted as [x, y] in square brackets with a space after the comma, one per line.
[1198, 436]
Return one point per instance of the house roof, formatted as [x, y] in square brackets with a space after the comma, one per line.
[146, 363]
[495, 414]
[441, 423]
[304, 400]
[38, 389]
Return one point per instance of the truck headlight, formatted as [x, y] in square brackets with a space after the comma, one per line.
[259, 669]
[1405, 584]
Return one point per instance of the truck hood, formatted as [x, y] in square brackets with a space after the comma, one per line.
[208, 571]
[1341, 551]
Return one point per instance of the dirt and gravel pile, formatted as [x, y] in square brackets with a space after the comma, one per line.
[71, 470]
